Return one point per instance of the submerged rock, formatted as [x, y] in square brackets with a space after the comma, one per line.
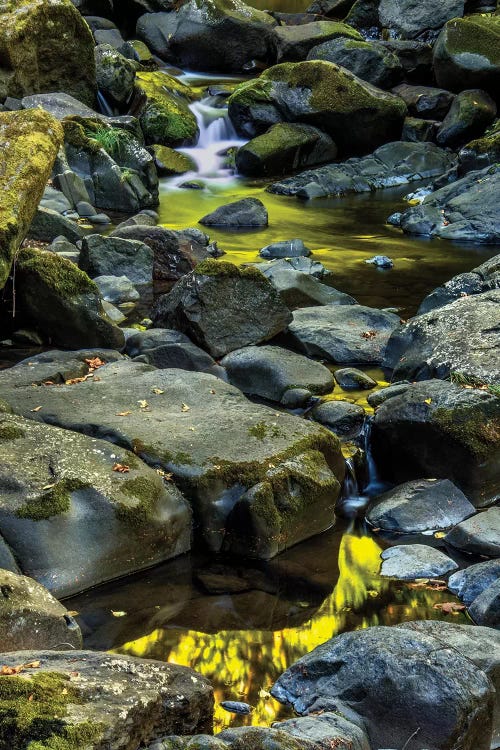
[410, 561]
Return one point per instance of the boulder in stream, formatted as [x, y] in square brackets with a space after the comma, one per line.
[410, 561]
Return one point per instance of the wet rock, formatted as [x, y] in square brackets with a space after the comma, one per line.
[284, 148]
[294, 42]
[325, 729]
[351, 379]
[482, 152]
[165, 349]
[71, 519]
[485, 609]
[361, 119]
[304, 265]
[346, 420]
[410, 561]
[270, 371]
[397, 681]
[461, 337]
[466, 210]
[170, 162]
[415, 58]
[425, 102]
[466, 54]
[114, 256]
[285, 249]
[48, 224]
[467, 584]
[296, 398]
[220, 35]
[222, 307]
[437, 429]
[470, 114]
[121, 700]
[370, 61]
[116, 289]
[392, 164]
[165, 117]
[62, 302]
[175, 432]
[481, 279]
[416, 130]
[247, 212]
[240, 738]
[31, 141]
[331, 8]
[115, 74]
[343, 334]
[409, 21]
[298, 289]
[236, 707]
[420, 505]
[380, 261]
[30, 617]
[479, 535]
[56, 26]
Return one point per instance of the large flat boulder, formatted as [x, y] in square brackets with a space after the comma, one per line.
[408, 20]
[30, 142]
[217, 445]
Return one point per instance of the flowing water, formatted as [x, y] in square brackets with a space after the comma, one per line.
[241, 625]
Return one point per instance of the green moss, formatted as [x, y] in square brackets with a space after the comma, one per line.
[477, 430]
[261, 430]
[145, 492]
[172, 162]
[166, 119]
[264, 507]
[60, 275]
[249, 93]
[10, 431]
[33, 713]
[221, 268]
[488, 144]
[476, 34]
[53, 502]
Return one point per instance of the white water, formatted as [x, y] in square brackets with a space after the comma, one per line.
[356, 498]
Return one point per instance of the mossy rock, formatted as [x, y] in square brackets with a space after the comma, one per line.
[357, 116]
[482, 152]
[45, 46]
[467, 54]
[166, 118]
[294, 42]
[171, 162]
[30, 142]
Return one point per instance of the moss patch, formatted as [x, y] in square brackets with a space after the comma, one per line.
[53, 502]
[61, 276]
[221, 268]
[476, 34]
[261, 430]
[33, 714]
[166, 118]
[10, 431]
[477, 430]
[145, 492]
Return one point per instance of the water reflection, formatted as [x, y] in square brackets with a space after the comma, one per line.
[243, 625]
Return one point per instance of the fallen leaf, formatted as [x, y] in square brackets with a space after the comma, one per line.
[72, 381]
[118, 613]
[369, 334]
[73, 613]
[264, 694]
[48, 382]
[49, 486]
[212, 391]
[158, 391]
[5, 670]
[37, 408]
[32, 665]
[450, 608]
[123, 413]
[143, 404]
[185, 407]
[428, 401]
[121, 468]
[94, 363]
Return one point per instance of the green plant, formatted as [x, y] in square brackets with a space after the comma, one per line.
[112, 140]
[466, 381]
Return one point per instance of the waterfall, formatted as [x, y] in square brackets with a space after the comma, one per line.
[354, 497]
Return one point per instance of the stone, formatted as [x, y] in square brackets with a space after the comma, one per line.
[357, 116]
[342, 334]
[239, 738]
[410, 561]
[270, 371]
[481, 152]
[30, 142]
[326, 729]
[62, 302]
[48, 224]
[29, 68]
[396, 681]
[284, 148]
[165, 348]
[166, 118]
[120, 700]
[478, 535]
[175, 432]
[31, 618]
[370, 61]
[485, 609]
[460, 338]
[392, 164]
[71, 519]
[170, 162]
[438, 429]
[60, 105]
[294, 42]
[115, 74]
[409, 20]
[285, 249]
[346, 420]
[416, 130]
[418, 506]
[380, 261]
[471, 112]
[351, 379]
[481, 279]
[425, 102]
[114, 256]
[222, 307]
[116, 289]
[247, 212]
[468, 583]
[299, 289]
[304, 265]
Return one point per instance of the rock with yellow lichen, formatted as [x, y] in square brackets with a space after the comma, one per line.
[29, 142]
[45, 45]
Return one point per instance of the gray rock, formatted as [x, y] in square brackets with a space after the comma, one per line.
[55, 200]
[116, 289]
[414, 56]
[304, 265]
[410, 561]
[49, 224]
[392, 164]
[379, 397]
[437, 429]
[420, 505]
[30, 617]
[343, 418]
[471, 112]
[247, 212]
[416, 130]
[343, 334]
[381, 261]
[222, 307]
[468, 583]
[296, 398]
[370, 61]
[485, 609]
[114, 256]
[115, 74]
[326, 730]
[59, 105]
[165, 349]
[351, 379]
[480, 279]
[270, 371]
[479, 535]
[298, 289]
[397, 681]
[409, 21]
[461, 337]
[71, 519]
[293, 42]
[128, 700]
[425, 102]
[285, 249]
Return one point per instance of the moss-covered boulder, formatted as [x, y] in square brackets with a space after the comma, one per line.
[285, 148]
[95, 700]
[294, 42]
[29, 142]
[81, 511]
[166, 118]
[471, 112]
[370, 61]
[45, 45]
[356, 115]
[467, 54]
[212, 35]
[61, 302]
[171, 162]
[115, 73]
[217, 445]
[30, 617]
[481, 152]
[438, 429]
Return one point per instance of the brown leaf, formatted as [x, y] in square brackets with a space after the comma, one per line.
[185, 407]
[32, 665]
[37, 408]
[143, 404]
[48, 382]
[94, 363]
[123, 413]
[121, 468]
[369, 334]
[72, 381]
[450, 608]
[5, 670]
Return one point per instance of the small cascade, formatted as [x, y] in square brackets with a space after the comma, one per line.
[374, 485]
[354, 496]
[104, 107]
